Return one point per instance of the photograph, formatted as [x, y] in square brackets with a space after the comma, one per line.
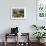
[18, 13]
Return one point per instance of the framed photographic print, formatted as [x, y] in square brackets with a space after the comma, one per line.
[18, 12]
[41, 9]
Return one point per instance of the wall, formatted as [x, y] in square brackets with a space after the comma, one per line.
[25, 24]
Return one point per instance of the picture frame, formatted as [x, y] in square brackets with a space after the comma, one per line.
[41, 9]
[18, 13]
